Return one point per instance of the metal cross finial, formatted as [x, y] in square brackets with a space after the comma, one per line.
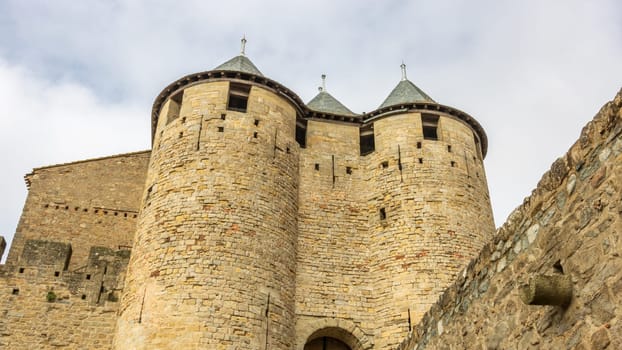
[403, 66]
[323, 82]
[243, 46]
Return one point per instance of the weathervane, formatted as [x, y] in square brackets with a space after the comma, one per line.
[403, 66]
[323, 87]
[243, 46]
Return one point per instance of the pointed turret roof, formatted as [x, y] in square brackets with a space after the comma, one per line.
[405, 92]
[240, 63]
[325, 102]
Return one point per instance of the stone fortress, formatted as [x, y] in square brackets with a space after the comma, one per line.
[257, 221]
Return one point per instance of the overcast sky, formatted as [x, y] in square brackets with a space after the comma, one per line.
[78, 78]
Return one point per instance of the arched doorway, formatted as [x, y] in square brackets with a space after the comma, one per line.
[326, 343]
[332, 338]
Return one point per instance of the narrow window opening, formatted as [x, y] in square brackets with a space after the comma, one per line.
[478, 149]
[420, 160]
[383, 214]
[367, 142]
[47, 206]
[317, 166]
[418, 144]
[15, 291]
[181, 134]
[66, 207]
[56, 273]
[223, 116]
[385, 164]
[429, 123]
[287, 150]
[76, 208]
[221, 129]
[96, 211]
[88, 276]
[85, 210]
[301, 135]
[174, 106]
[83, 296]
[256, 122]
[238, 97]
[183, 120]
[115, 213]
[124, 215]
[453, 164]
[449, 148]
[21, 270]
[349, 170]
[255, 134]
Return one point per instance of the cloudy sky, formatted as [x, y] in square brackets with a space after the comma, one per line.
[78, 78]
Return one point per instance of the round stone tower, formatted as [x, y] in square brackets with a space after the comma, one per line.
[431, 211]
[213, 261]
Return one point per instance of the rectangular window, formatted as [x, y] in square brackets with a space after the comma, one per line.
[367, 141]
[301, 135]
[174, 105]
[478, 149]
[429, 123]
[238, 97]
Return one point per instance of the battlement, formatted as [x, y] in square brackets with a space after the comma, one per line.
[85, 298]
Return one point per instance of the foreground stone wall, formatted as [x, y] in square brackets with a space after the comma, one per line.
[86, 203]
[570, 225]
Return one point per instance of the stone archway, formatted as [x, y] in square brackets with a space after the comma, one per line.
[326, 343]
[340, 334]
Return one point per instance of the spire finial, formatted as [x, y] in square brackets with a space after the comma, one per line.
[323, 87]
[243, 46]
[403, 66]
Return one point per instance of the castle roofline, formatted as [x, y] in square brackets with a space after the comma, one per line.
[303, 111]
[27, 176]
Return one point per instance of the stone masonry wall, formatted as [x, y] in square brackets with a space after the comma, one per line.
[332, 278]
[45, 306]
[213, 264]
[570, 224]
[92, 202]
[360, 276]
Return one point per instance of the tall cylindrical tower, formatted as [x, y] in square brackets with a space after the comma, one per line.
[213, 261]
[431, 213]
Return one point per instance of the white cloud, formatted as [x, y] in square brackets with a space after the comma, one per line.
[45, 122]
[78, 78]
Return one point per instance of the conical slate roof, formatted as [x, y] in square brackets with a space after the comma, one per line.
[240, 63]
[405, 92]
[325, 102]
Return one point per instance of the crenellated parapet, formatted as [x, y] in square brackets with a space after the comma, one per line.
[72, 308]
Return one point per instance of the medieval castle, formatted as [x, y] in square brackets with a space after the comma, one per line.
[257, 221]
